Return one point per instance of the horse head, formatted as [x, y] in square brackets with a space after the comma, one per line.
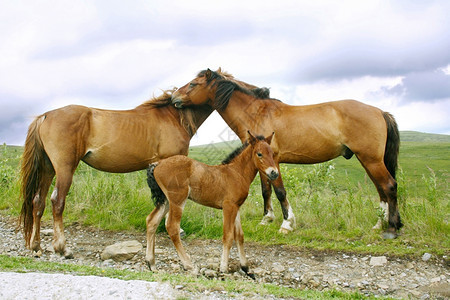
[215, 89]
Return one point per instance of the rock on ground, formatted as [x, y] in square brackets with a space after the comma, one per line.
[59, 286]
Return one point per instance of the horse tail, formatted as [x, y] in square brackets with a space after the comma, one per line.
[31, 173]
[392, 144]
[157, 194]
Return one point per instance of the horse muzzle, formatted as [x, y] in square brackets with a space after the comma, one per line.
[272, 173]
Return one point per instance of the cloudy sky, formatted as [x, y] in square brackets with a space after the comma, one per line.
[116, 54]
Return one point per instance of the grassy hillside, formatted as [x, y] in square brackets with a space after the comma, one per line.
[335, 203]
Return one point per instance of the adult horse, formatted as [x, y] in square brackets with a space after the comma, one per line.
[306, 135]
[107, 140]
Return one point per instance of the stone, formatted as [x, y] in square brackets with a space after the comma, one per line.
[121, 251]
[278, 268]
[426, 257]
[378, 261]
[47, 232]
[210, 273]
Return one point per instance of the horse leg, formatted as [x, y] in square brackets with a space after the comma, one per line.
[387, 189]
[38, 211]
[266, 188]
[63, 182]
[152, 221]
[288, 215]
[239, 238]
[182, 232]
[173, 229]
[230, 212]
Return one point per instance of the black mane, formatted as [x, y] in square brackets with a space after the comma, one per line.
[238, 151]
[226, 87]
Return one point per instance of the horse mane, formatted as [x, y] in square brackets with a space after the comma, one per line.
[239, 150]
[226, 86]
[186, 115]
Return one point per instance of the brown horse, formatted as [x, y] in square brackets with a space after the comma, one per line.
[306, 135]
[175, 179]
[107, 140]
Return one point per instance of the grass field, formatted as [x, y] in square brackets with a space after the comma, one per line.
[335, 203]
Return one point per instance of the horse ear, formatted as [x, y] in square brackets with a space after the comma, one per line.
[251, 138]
[219, 70]
[269, 138]
[208, 74]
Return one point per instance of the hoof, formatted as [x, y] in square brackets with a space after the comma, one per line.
[286, 227]
[182, 233]
[37, 253]
[68, 254]
[389, 235]
[150, 266]
[266, 220]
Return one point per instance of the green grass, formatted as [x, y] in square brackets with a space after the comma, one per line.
[335, 203]
[191, 283]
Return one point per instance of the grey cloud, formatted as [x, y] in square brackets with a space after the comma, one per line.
[428, 86]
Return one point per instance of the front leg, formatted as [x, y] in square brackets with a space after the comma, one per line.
[266, 189]
[230, 211]
[288, 215]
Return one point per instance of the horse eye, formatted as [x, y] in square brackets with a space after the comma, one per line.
[259, 154]
[191, 85]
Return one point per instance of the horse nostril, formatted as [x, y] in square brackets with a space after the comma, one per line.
[273, 174]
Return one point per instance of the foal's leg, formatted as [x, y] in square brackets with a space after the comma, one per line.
[173, 229]
[266, 188]
[239, 238]
[288, 215]
[38, 210]
[153, 220]
[230, 211]
[63, 182]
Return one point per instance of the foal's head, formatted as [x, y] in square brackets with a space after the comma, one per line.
[262, 155]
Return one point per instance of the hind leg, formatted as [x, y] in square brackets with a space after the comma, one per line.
[63, 182]
[153, 220]
[266, 188]
[173, 229]
[38, 211]
[239, 238]
[387, 189]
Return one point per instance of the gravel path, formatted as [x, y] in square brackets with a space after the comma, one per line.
[279, 265]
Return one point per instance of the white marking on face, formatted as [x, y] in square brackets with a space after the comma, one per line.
[269, 171]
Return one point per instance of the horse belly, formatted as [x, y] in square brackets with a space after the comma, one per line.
[118, 161]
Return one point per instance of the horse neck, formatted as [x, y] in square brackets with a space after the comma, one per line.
[243, 164]
[200, 114]
[188, 119]
[241, 114]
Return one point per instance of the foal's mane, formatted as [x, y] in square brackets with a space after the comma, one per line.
[186, 115]
[226, 86]
[238, 151]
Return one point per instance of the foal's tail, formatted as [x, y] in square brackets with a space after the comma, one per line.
[392, 144]
[157, 194]
[31, 174]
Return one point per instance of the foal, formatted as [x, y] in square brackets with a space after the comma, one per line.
[226, 186]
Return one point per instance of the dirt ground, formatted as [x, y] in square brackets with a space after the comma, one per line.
[277, 264]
